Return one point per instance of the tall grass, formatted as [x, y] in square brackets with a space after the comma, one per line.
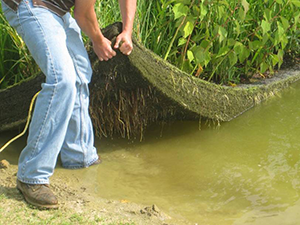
[220, 41]
[153, 25]
[16, 63]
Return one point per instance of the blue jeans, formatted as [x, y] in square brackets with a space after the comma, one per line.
[61, 121]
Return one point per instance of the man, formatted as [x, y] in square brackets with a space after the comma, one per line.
[61, 121]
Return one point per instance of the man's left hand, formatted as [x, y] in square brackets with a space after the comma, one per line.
[124, 43]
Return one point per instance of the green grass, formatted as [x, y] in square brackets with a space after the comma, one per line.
[22, 214]
[15, 212]
[16, 63]
[219, 41]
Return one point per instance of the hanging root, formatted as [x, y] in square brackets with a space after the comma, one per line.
[125, 113]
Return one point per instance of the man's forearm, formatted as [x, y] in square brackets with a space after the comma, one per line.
[86, 18]
[128, 8]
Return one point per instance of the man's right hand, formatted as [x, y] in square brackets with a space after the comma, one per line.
[85, 16]
[103, 49]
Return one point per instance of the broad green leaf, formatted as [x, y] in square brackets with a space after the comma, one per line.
[279, 1]
[224, 3]
[231, 41]
[223, 33]
[276, 39]
[275, 59]
[254, 45]
[232, 58]
[199, 54]
[296, 2]
[284, 41]
[207, 58]
[185, 2]
[203, 11]
[190, 55]
[237, 28]
[196, 10]
[188, 29]
[245, 5]
[249, 17]
[265, 38]
[181, 41]
[242, 14]
[296, 19]
[285, 23]
[198, 37]
[244, 54]
[223, 51]
[180, 10]
[266, 26]
[221, 13]
[280, 54]
[263, 67]
[238, 47]
[205, 43]
[267, 14]
[280, 29]
[242, 51]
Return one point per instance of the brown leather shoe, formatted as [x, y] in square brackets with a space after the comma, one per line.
[98, 161]
[38, 195]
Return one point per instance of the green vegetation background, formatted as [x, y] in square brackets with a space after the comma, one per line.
[222, 41]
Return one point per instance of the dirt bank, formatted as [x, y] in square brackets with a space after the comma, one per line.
[77, 206]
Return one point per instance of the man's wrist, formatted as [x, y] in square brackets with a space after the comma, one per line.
[97, 39]
[127, 31]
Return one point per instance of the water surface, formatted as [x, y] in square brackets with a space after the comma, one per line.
[244, 172]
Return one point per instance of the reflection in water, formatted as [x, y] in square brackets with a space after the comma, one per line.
[244, 172]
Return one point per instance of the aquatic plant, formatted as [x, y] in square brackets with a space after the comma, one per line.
[223, 40]
[217, 40]
[128, 93]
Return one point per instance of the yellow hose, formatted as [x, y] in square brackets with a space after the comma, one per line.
[26, 126]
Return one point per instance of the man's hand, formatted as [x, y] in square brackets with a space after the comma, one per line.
[85, 16]
[103, 49]
[124, 43]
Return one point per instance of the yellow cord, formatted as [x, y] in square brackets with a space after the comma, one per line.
[26, 126]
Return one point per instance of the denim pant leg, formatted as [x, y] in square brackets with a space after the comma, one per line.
[44, 34]
[78, 149]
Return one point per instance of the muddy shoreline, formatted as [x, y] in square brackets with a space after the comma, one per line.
[77, 205]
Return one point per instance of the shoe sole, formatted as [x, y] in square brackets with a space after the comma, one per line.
[36, 204]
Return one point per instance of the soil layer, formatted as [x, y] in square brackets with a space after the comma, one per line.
[77, 205]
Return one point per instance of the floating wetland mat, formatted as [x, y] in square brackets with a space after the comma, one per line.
[127, 93]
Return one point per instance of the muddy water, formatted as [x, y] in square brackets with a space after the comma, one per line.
[244, 172]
